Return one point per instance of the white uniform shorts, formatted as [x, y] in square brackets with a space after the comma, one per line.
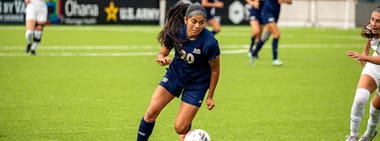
[36, 11]
[373, 71]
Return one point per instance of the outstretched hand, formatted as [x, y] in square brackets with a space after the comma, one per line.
[357, 56]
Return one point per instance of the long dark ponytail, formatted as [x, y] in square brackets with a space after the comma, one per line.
[169, 35]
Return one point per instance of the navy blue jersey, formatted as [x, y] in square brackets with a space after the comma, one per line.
[190, 68]
[271, 11]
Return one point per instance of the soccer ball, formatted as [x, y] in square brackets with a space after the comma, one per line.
[197, 135]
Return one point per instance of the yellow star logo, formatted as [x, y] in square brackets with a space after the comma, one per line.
[111, 11]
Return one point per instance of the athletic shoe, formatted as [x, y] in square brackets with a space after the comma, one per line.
[366, 138]
[33, 52]
[252, 60]
[351, 138]
[277, 62]
[27, 49]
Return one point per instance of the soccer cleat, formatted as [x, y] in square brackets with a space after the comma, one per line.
[367, 138]
[351, 138]
[277, 62]
[27, 49]
[252, 60]
[33, 52]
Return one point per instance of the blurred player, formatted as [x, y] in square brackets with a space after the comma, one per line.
[193, 71]
[36, 16]
[256, 23]
[369, 81]
[270, 15]
[209, 5]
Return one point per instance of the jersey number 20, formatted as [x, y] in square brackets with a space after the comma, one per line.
[187, 57]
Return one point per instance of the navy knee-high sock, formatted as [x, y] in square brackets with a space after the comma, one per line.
[253, 39]
[259, 45]
[275, 48]
[145, 129]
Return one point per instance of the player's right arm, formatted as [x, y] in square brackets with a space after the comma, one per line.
[163, 56]
[285, 1]
[254, 3]
[366, 51]
[27, 2]
[218, 4]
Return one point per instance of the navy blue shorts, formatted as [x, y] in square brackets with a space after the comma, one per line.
[255, 14]
[269, 16]
[190, 96]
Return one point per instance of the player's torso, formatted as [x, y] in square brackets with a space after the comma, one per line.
[272, 5]
[375, 45]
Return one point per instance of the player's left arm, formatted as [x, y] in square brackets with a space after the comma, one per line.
[285, 1]
[215, 70]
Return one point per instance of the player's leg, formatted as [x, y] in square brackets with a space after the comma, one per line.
[160, 99]
[366, 86]
[273, 28]
[190, 102]
[256, 33]
[37, 35]
[215, 26]
[31, 21]
[184, 117]
[373, 121]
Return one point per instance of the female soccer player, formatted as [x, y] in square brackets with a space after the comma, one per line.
[36, 16]
[208, 5]
[369, 81]
[193, 71]
[256, 23]
[270, 15]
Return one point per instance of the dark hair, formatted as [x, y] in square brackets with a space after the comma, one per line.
[366, 30]
[169, 35]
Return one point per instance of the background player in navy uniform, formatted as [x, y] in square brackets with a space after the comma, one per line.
[369, 81]
[36, 16]
[255, 21]
[270, 15]
[193, 71]
[209, 5]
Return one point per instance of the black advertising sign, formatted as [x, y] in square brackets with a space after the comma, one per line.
[109, 11]
[12, 11]
[233, 12]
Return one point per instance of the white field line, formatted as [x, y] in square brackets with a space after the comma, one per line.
[225, 49]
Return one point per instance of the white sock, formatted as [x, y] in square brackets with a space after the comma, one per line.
[373, 121]
[357, 110]
[37, 39]
[29, 36]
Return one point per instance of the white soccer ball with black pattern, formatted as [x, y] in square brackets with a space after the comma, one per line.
[197, 135]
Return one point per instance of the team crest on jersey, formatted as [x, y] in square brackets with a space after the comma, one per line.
[196, 51]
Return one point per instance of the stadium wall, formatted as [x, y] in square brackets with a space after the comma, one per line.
[309, 13]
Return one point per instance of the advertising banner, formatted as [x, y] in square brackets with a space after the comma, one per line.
[12, 11]
[109, 12]
[233, 12]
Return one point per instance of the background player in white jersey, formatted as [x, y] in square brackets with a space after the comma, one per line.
[36, 15]
[369, 81]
